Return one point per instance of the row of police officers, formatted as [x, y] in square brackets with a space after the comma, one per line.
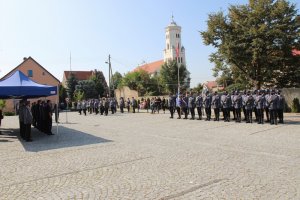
[270, 102]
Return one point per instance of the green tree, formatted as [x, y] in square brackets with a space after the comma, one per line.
[117, 80]
[71, 85]
[138, 80]
[62, 93]
[169, 76]
[79, 95]
[88, 88]
[255, 42]
[198, 88]
[100, 84]
[2, 104]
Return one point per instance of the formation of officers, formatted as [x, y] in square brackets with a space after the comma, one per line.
[263, 104]
[103, 105]
[39, 114]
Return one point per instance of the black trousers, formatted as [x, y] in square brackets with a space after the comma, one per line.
[172, 110]
[238, 113]
[122, 109]
[178, 112]
[280, 115]
[79, 111]
[185, 111]
[22, 130]
[192, 110]
[199, 111]
[260, 115]
[273, 116]
[128, 108]
[84, 111]
[133, 109]
[27, 128]
[106, 111]
[217, 114]
[249, 115]
[234, 113]
[226, 112]
[208, 113]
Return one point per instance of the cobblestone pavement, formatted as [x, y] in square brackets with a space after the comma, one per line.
[144, 156]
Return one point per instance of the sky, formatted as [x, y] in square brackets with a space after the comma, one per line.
[131, 31]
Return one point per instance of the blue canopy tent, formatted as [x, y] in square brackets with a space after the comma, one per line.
[19, 86]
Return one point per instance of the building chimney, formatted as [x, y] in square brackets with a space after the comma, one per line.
[24, 58]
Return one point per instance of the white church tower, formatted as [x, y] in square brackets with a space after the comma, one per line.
[174, 49]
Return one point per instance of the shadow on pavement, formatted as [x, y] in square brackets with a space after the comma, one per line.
[65, 138]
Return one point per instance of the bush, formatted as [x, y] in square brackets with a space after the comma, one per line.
[296, 105]
[9, 114]
[2, 103]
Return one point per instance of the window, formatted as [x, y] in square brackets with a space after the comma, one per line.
[43, 73]
[168, 46]
[30, 73]
[178, 35]
[181, 59]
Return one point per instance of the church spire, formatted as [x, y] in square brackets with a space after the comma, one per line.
[172, 20]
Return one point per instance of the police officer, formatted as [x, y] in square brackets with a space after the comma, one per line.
[280, 107]
[267, 96]
[199, 104]
[249, 103]
[259, 104]
[178, 105]
[122, 104]
[184, 105]
[207, 105]
[216, 105]
[226, 104]
[83, 106]
[133, 104]
[172, 104]
[238, 104]
[192, 105]
[232, 105]
[244, 106]
[273, 102]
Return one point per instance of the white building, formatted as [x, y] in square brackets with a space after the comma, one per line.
[174, 49]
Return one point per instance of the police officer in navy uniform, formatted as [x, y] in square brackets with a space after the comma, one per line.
[178, 105]
[184, 105]
[207, 105]
[238, 104]
[216, 105]
[192, 105]
[249, 103]
[259, 104]
[273, 102]
[280, 107]
[172, 104]
[267, 96]
[226, 104]
[199, 104]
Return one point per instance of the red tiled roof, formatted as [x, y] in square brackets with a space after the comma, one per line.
[211, 84]
[80, 75]
[296, 52]
[151, 67]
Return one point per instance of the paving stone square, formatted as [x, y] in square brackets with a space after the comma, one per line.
[149, 156]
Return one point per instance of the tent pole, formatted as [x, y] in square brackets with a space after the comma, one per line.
[57, 101]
